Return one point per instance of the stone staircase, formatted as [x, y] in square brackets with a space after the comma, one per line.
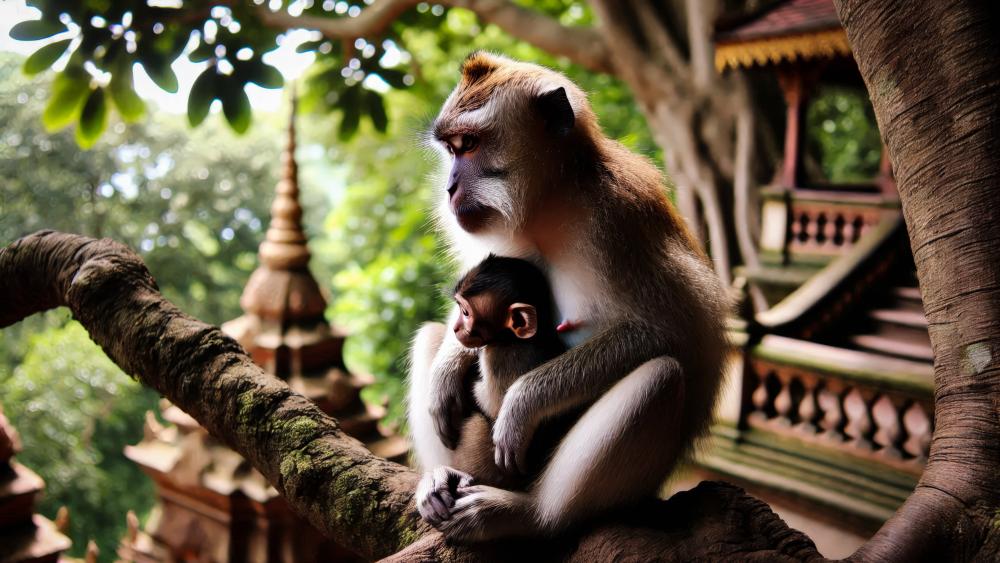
[897, 328]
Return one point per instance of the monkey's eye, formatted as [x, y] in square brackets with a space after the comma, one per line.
[465, 313]
[469, 143]
[461, 144]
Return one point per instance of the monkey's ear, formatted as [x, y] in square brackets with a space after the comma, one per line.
[556, 111]
[522, 320]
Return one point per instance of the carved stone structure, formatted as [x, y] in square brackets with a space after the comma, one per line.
[830, 405]
[212, 505]
[25, 537]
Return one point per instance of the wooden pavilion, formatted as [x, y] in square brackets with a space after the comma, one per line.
[830, 401]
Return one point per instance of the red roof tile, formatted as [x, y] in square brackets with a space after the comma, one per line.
[785, 18]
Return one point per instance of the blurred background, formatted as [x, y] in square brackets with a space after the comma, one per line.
[194, 200]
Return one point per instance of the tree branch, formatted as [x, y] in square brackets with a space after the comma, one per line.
[354, 497]
[372, 21]
[361, 501]
[582, 45]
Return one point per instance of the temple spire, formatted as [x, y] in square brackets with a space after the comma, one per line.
[284, 247]
[282, 288]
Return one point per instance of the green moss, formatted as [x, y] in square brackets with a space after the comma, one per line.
[294, 464]
[247, 401]
[299, 429]
[407, 531]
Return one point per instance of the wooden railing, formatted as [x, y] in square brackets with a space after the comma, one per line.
[825, 297]
[811, 225]
[862, 404]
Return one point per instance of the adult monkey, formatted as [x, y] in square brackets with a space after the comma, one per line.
[533, 176]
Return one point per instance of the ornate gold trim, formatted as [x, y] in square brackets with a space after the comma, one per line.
[773, 50]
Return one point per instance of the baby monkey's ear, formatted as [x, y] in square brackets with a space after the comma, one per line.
[522, 320]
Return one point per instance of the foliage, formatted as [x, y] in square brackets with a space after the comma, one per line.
[103, 40]
[843, 136]
[194, 204]
[75, 410]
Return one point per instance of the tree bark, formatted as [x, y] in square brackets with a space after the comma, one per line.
[361, 501]
[932, 69]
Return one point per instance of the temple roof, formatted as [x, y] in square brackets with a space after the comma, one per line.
[790, 30]
[24, 535]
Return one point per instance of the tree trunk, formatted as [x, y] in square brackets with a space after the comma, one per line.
[691, 109]
[932, 69]
[361, 501]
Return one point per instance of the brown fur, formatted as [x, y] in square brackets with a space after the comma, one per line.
[620, 260]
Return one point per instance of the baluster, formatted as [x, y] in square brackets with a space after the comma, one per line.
[918, 430]
[795, 229]
[810, 230]
[838, 230]
[821, 234]
[804, 222]
[809, 409]
[832, 405]
[859, 227]
[860, 426]
[759, 398]
[830, 229]
[850, 228]
[889, 434]
[783, 400]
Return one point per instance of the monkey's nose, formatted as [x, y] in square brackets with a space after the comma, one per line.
[452, 189]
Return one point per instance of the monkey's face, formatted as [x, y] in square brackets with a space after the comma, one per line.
[500, 131]
[471, 180]
[475, 327]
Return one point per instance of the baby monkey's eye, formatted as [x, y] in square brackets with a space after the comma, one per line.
[465, 313]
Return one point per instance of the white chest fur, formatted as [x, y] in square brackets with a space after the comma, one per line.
[576, 287]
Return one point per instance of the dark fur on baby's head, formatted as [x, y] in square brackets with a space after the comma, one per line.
[510, 280]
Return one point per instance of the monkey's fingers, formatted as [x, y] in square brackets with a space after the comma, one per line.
[432, 509]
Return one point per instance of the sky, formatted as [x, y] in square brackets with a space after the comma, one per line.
[284, 58]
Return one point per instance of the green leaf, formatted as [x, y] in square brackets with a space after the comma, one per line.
[129, 104]
[158, 68]
[93, 119]
[69, 90]
[256, 71]
[43, 58]
[202, 94]
[202, 52]
[350, 106]
[309, 46]
[376, 110]
[236, 106]
[36, 29]
[393, 76]
[266, 76]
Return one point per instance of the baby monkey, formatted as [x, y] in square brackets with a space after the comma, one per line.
[507, 312]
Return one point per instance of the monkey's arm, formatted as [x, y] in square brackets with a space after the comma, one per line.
[449, 397]
[574, 378]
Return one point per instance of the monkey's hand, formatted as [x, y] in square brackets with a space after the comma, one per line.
[437, 492]
[512, 432]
